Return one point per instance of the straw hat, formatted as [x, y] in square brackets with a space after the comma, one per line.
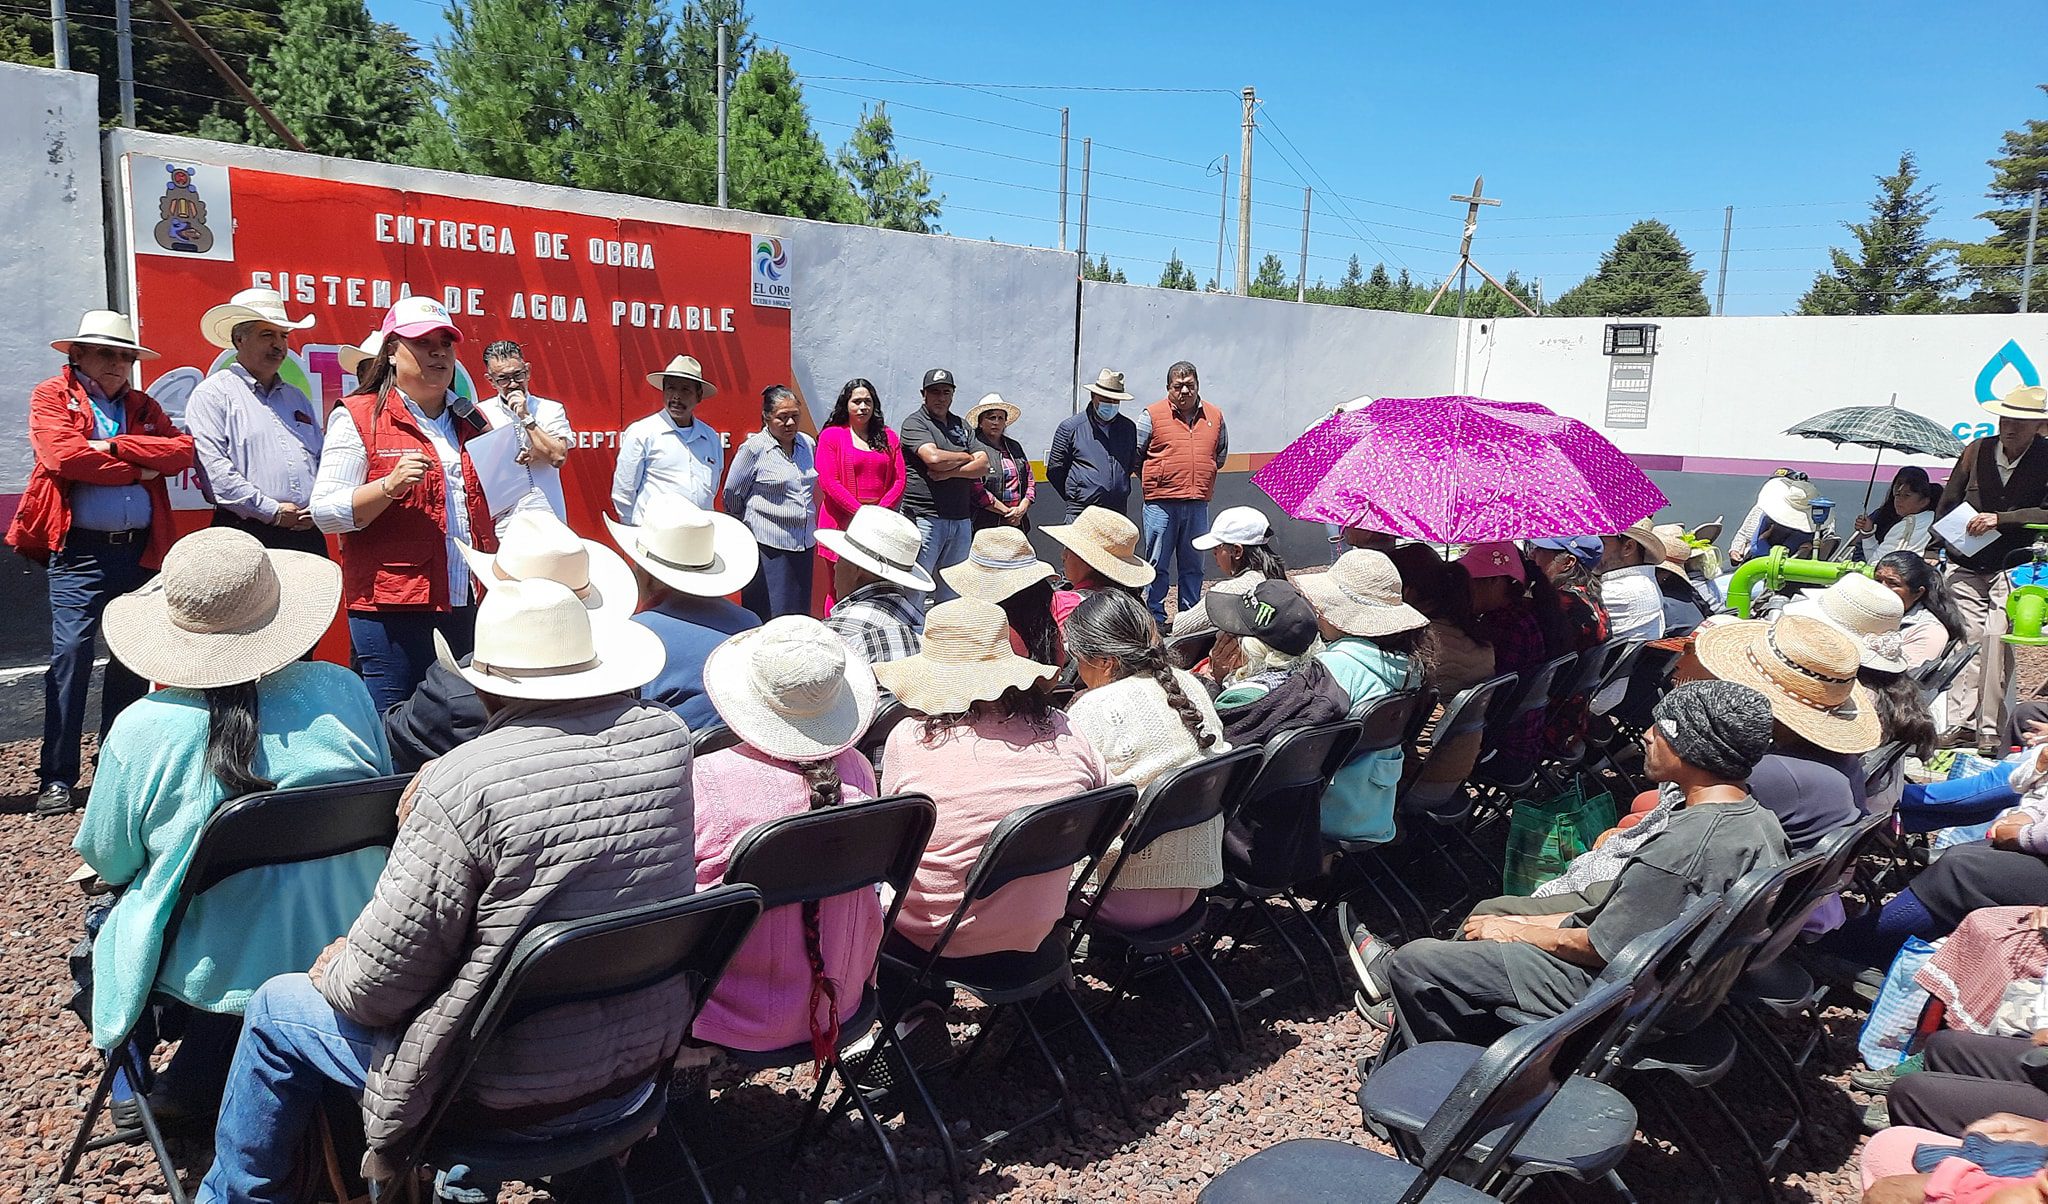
[1788, 502]
[353, 358]
[683, 367]
[884, 543]
[217, 325]
[224, 610]
[999, 563]
[966, 658]
[2027, 401]
[690, 550]
[1109, 543]
[105, 328]
[1863, 610]
[1677, 552]
[537, 544]
[1240, 526]
[790, 689]
[1109, 383]
[1808, 671]
[1361, 595]
[993, 401]
[1645, 536]
[534, 640]
[1709, 532]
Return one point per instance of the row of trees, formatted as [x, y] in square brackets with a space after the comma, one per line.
[615, 95]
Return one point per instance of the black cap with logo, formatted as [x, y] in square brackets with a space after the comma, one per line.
[937, 376]
[1274, 612]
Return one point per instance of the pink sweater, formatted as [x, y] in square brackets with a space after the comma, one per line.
[978, 773]
[850, 477]
[762, 1002]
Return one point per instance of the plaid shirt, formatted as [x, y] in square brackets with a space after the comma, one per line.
[879, 621]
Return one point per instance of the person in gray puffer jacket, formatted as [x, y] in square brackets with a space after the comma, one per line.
[573, 801]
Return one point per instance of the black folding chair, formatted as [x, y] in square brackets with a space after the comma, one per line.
[1879, 764]
[1941, 672]
[1387, 723]
[273, 827]
[1502, 1095]
[813, 856]
[888, 714]
[1065, 836]
[1187, 651]
[1535, 691]
[1176, 801]
[1441, 820]
[711, 738]
[1596, 667]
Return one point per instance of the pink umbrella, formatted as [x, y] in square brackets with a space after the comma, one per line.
[1459, 470]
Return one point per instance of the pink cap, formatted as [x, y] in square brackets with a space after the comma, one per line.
[413, 317]
[1494, 560]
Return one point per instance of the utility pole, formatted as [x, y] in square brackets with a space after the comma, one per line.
[227, 75]
[1063, 177]
[2033, 228]
[1087, 145]
[1244, 200]
[60, 36]
[1721, 286]
[1222, 221]
[1301, 281]
[721, 115]
[1472, 203]
[124, 46]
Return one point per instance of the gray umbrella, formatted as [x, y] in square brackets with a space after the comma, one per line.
[1886, 428]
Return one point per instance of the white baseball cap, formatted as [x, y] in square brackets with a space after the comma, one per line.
[1239, 525]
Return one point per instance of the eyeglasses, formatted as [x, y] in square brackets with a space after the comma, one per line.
[508, 379]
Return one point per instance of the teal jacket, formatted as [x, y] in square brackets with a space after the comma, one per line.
[1359, 804]
[151, 794]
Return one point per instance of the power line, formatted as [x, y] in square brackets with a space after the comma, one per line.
[949, 83]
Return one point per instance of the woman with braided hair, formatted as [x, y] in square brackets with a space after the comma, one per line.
[798, 702]
[1145, 717]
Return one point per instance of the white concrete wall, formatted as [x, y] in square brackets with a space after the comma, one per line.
[53, 266]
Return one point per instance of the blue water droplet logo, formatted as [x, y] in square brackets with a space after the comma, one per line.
[2008, 356]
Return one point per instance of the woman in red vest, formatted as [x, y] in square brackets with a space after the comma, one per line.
[396, 484]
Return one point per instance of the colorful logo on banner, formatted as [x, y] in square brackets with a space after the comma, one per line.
[771, 273]
[1990, 388]
[190, 216]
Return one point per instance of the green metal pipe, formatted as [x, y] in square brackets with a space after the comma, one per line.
[1777, 569]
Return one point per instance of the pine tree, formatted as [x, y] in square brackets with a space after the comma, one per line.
[343, 84]
[175, 91]
[1991, 269]
[1351, 289]
[1177, 274]
[895, 194]
[1271, 279]
[1647, 273]
[697, 54]
[1099, 269]
[1378, 292]
[775, 163]
[1896, 269]
[1403, 295]
[503, 78]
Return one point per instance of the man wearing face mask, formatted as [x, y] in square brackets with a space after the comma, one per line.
[1095, 451]
[257, 435]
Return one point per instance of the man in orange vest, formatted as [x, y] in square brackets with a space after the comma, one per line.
[1181, 447]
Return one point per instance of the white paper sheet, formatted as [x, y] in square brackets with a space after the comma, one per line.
[1954, 527]
[495, 453]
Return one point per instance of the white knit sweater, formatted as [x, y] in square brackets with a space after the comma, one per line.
[1140, 736]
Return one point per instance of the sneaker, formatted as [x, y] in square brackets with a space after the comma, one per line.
[127, 1114]
[1368, 954]
[55, 799]
[1877, 1117]
[1380, 1014]
[1877, 1082]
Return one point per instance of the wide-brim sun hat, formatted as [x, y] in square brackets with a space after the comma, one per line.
[353, 358]
[683, 367]
[1788, 502]
[537, 544]
[105, 328]
[791, 689]
[1361, 595]
[217, 325]
[1866, 612]
[535, 641]
[2027, 401]
[884, 543]
[1677, 552]
[689, 549]
[965, 658]
[1108, 542]
[1239, 526]
[224, 610]
[1000, 562]
[1109, 383]
[994, 401]
[1644, 535]
[1808, 671]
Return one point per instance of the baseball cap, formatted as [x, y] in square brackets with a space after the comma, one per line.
[1585, 548]
[1274, 613]
[413, 317]
[1240, 525]
[937, 376]
[1495, 559]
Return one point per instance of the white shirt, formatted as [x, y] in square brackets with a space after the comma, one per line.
[1635, 606]
[658, 457]
[1909, 534]
[345, 464]
[551, 417]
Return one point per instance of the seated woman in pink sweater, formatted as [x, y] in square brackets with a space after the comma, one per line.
[985, 745]
[798, 702]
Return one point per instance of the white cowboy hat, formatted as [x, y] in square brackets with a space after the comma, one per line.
[534, 640]
[224, 610]
[993, 401]
[105, 328]
[1863, 610]
[999, 563]
[1239, 526]
[353, 358]
[537, 544]
[1788, 502]
[1644, 535]
[790, 688]
[965, 658]
[1109, 383]
[217, 325]
[1108, 542]
[2027, 401]
[690, 550]
[884, 543]
[1361, 595]
[683, 367]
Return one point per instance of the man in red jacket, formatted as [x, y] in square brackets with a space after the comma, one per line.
[97, 513]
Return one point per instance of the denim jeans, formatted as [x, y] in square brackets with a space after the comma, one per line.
[392, 648]
[1958, 801]
[945, 544]
[83, 578]
[782, 587]
[1171, 525]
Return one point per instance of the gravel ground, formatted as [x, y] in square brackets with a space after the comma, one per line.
[1296, 1079]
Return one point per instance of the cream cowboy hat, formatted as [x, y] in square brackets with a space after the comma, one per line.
[993, 401]
[1863, 610]
[353, 358]
[535, 640]
[540, 545]
[1677, 552]
[965, 658]
[884, 543]
[1644, 535]
[2027, 401]
[224, 610]
[683, 367]
[217, 325]
[1109, 383]
[790, 689]
[1808, 671]
[1788, 502]
[690, 550]
[1361, 595]
[1109, 543]
[105, 328]
[999, 563]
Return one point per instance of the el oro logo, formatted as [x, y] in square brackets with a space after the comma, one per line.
[771, 274]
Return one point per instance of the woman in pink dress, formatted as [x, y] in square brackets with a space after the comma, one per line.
[860, 463]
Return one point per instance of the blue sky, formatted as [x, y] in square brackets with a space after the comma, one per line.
[1584, 117]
